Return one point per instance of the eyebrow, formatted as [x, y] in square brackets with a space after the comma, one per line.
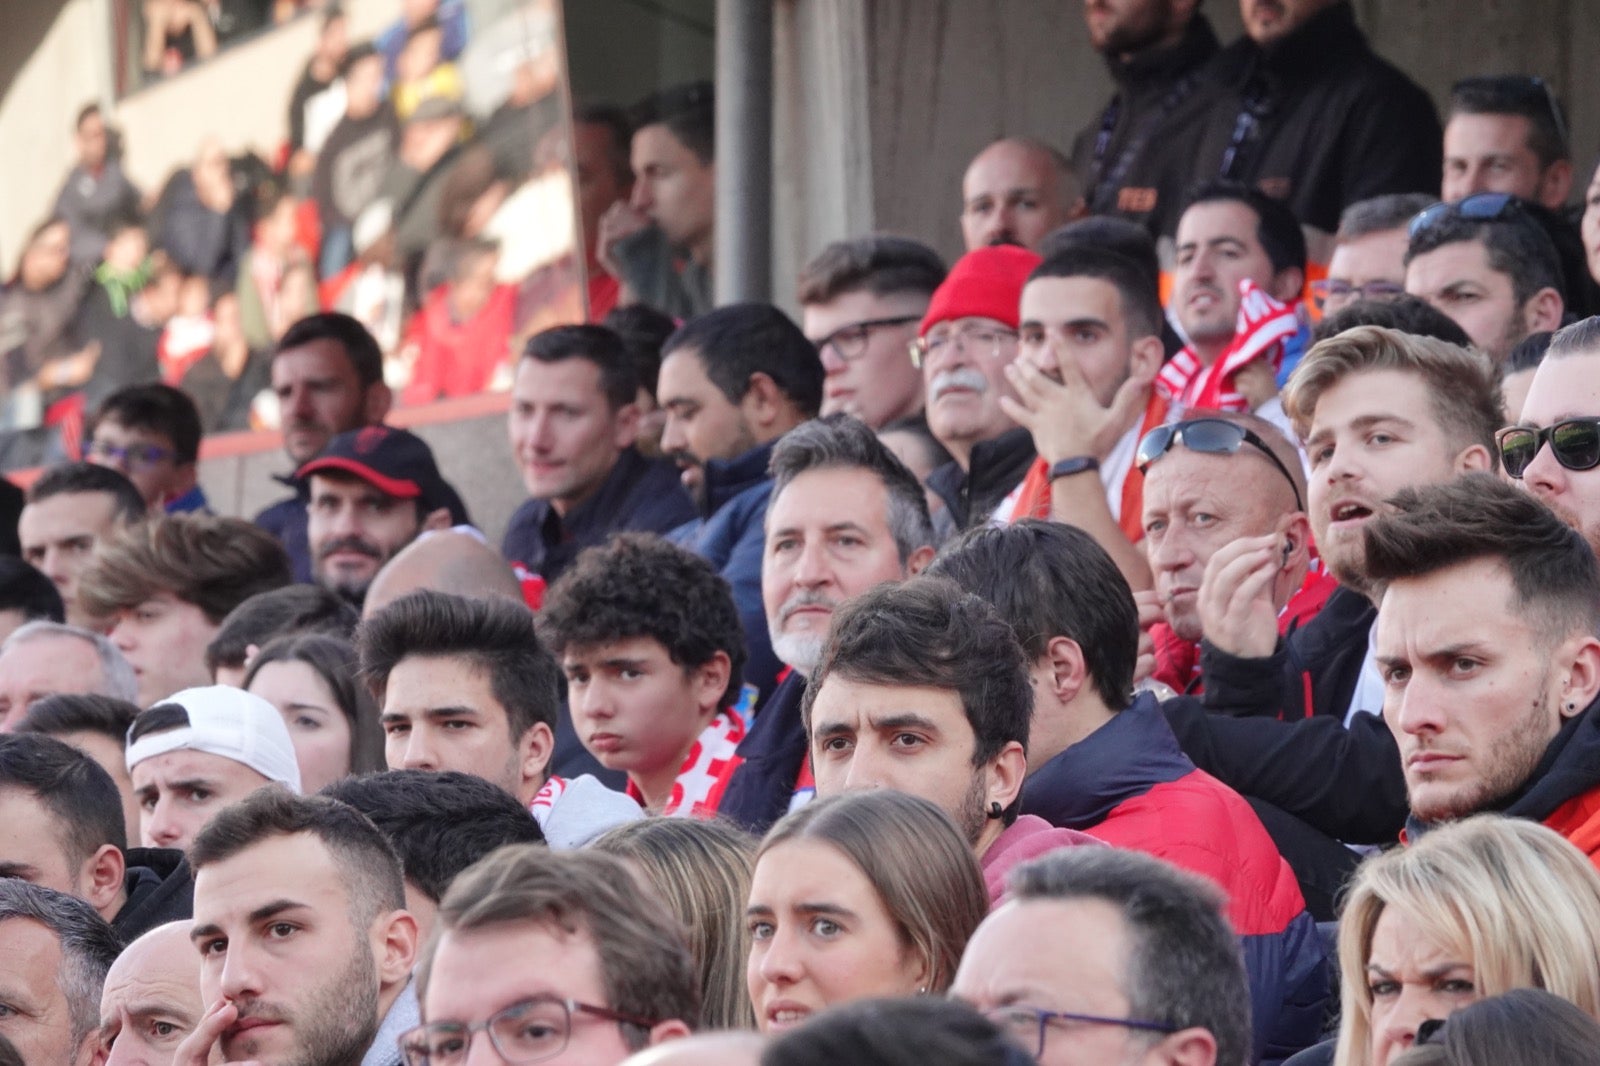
[901, 721]
[430, 714]
[790, 531]
[763, 910]
[255, 917]
[1075, 323]
[1430, 972]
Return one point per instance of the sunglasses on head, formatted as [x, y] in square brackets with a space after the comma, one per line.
[1479, 207]
[1209, 436]
[1575, 442]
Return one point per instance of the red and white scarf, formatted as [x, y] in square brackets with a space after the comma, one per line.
[703, 768]
[1262, 326]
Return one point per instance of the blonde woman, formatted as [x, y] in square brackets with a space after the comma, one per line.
[702, 870]
[1472, 910]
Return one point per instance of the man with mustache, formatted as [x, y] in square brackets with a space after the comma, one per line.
[327, 374]
[845, 515]
[1302, 108]
[733, 381]
[1014, 192]
[372, 491]
[305, 944]
[965, 342]
[1134, 159]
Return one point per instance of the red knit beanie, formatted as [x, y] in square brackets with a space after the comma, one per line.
[986, 283]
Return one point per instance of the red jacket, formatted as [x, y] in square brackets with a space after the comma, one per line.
[458, 358]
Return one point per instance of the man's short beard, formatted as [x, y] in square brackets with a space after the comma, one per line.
[801, 651]
[341, 1016]
[972, 817]
[1515, 760]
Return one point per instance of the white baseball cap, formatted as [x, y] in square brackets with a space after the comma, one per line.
[229, 722]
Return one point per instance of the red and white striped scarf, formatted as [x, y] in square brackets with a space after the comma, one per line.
[702, 768]
[1263, 325]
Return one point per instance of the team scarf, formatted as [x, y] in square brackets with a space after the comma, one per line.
[1263, 325]
[703, 767]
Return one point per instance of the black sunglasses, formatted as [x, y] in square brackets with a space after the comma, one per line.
[1574, 442]
[1479, 207]
[1209, 436]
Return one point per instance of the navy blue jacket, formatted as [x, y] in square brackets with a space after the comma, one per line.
[1130, 785]
[761, 780]
[286, 520]
[731, 535]
[638, 494]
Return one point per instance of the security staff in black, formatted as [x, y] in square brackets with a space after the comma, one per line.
[1305, 110]
[1136, 158]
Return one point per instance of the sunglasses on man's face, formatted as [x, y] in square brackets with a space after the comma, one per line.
[1575, 442]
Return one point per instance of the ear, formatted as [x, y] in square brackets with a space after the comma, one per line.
[1148, 355]
[710, 681]
[437, 519]
[661, 1032]
[625, 430]
[919, 560]
[1583, 674]
[1288, 284]
[1474, 457]
[763, 402]
[536, 746]
[396, 942]
[101, 877]
[376, 403]
[1296, 530]
[1555, 184]
[1187, 1047]
[1543, 310]
[1063, 658]
[1007, 771]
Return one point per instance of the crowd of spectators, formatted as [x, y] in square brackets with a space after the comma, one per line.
[1005, 663]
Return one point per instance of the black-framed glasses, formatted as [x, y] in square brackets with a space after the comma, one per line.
[1326, 290]
[1575, 442]
[134, 455]
[1528, 88]
[1028, 1026]
[975, 338]
[851, 341]
[531, 1031]
[1209, 436]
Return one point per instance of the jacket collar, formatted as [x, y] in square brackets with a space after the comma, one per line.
[1123, 758]
[1156, 68]
[602, 507]
[995, 469]
[727, 478]
[1329, 39]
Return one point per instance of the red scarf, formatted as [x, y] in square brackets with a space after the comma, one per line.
[1262, 327]
[702, 768]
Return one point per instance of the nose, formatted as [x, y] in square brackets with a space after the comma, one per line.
[594, 701]
[811, 569]
[539, 434]
[672, 435]
[419, 754]
[481, 1051]
[1544, 476]
[780, 963]
[1416, 708]
[832, 362]
[345, 522]
[1400, 1026]
[640, 199]
[239, 977]
[122, 637]
[1169, 551]
[162, 828]
[300, 403]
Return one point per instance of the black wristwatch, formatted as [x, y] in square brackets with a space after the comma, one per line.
[1076, 465]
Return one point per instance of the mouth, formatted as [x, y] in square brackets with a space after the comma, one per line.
[248, 1025]
[1204, 300]
[1429, 761]
[1350, 511]
[607, 742]
[785, 1016]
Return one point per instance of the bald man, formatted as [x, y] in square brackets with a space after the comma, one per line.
[152, 998]
[453, 560]
[733, 1048]
[1015, 191]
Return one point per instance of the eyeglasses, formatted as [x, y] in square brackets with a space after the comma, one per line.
[851, 341]
[1209, 436]
[1530, 89]
[1331, 289]
[136, 456]
[975, 338]
[1574, 442]
[1027, 1025]
[531, 1031]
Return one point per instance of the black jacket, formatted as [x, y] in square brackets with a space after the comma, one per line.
[160, 889]
[769, 760]
[1136, 157]
[1327, 122]
[638, 494]
[997, 467]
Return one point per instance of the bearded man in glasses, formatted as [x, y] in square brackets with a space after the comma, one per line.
[1561, 465]
[1489, 264]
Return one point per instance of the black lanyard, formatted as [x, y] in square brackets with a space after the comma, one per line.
[1110, 184]
[1246, 127]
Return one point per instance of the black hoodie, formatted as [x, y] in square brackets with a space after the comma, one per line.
[160, 890]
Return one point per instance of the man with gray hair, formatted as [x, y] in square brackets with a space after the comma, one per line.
[1369, 258]
[1117, 938]
[50, 659]
[1015, 191]
[54, 954]
[845, 515]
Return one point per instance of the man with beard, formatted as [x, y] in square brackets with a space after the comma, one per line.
[1487, 263]
[1489, 610]
[305, 944]
[372, 491]
[327, 374]
[54, 953]
[845, 515]
[1134, 161]
[1014, 192]
[923, 688]
[1379, 411]
[732, 382]
[1565, 388]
